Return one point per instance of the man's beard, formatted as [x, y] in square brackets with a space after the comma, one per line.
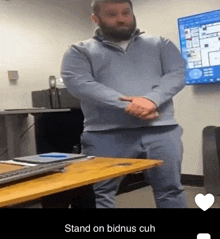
[120, 34]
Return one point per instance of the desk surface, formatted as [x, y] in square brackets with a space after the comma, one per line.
[77, 174]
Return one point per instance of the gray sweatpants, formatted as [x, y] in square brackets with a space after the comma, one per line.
[158, 142]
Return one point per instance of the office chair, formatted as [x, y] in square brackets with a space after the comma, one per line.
[211, 159]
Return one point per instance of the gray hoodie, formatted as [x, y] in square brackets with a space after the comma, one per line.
[99, 72]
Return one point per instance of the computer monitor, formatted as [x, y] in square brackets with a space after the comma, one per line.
[199, 37]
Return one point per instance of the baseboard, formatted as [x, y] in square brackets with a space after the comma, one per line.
[136, 181]
[192, 180]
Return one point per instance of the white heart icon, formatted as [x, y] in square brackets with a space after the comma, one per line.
[204, 202]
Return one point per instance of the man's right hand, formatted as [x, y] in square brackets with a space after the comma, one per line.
[141, 108]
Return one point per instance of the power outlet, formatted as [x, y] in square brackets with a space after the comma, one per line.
[13, 76]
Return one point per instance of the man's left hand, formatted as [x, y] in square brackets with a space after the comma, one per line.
[141, 107]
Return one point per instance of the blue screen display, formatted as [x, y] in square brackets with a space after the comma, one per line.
[200, 46]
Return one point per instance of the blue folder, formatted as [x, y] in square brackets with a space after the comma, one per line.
[49, 158]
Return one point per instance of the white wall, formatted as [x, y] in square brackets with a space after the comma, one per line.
[196, 106]
[34, 34]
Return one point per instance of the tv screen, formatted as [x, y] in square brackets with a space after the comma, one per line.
[199, 37]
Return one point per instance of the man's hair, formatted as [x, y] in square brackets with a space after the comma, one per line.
[96, 4]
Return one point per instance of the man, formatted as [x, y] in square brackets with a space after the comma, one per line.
[125, 80]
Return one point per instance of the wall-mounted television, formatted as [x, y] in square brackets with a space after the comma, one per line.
[199, 37]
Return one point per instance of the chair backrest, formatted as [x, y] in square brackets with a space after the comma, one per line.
[211, 159]
[217, 136]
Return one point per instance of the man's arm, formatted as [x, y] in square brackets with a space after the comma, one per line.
[77, 76]
[172, 80]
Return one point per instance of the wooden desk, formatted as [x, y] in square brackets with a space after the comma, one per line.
[77, 174]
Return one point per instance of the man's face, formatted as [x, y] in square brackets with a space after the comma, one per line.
[116, 21]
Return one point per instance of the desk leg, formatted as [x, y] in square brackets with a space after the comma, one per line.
[3, 139]
[16, 125]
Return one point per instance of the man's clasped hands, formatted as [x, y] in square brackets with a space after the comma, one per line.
[141, 107]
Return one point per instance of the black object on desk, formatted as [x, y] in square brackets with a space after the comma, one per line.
[55, 99]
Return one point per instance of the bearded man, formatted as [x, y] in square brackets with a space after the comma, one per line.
[126, 80]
